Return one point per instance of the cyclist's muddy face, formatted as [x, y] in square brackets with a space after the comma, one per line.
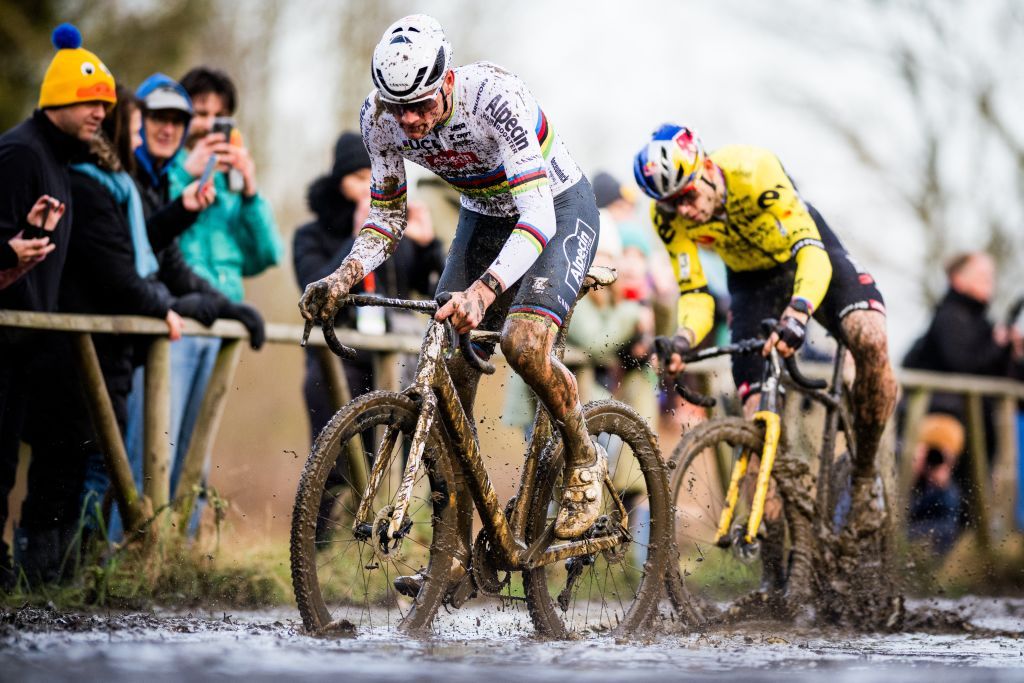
[696, 202]
[417, 119]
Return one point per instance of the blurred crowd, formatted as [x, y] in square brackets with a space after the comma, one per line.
[144, 201]
[115, 201]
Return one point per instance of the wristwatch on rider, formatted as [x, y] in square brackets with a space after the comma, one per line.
[801, 305]
[492, 283]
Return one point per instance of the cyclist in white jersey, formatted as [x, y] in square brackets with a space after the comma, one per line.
[527, 232]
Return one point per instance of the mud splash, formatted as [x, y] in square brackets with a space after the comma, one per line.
[45, 644]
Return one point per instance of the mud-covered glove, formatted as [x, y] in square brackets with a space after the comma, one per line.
[791, 331]
[666, 346]
[248, 316]
[205, 308]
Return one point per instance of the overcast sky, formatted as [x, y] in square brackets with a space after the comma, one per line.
[607, 73]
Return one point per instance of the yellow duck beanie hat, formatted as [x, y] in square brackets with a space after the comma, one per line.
[75, 74]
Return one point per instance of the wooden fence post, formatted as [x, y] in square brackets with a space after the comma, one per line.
[101, 410]
[157, 459]
[207, 423]
[1005, 467]
[916, 408]
[978, 492]
[386, 371]
[341, 394]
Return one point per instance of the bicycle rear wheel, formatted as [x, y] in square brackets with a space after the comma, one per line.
[612, 591]
[343, 582]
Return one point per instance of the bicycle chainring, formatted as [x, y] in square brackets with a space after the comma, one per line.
[485, 569]
[606, 525]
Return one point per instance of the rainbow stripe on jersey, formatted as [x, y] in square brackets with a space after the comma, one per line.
[383, 197]
[545, 136]
[540, 311]
[384, 231]
[528, 180]
[532, 235]
[483, 185]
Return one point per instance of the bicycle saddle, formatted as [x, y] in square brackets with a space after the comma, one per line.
[600, 276]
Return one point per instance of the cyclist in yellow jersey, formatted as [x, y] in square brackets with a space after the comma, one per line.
[783, 262]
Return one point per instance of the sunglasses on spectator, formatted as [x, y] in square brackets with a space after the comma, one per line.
[420, 107]
[162, 117]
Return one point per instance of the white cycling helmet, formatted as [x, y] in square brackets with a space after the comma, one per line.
[411, 59]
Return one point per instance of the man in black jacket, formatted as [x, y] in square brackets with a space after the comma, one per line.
[961, 339]
[34, 160]
[340, 201]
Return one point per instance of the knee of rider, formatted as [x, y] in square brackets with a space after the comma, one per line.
[870, 348]
[522, 349]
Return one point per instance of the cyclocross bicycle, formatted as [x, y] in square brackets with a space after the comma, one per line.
[350, 541]
[709, 468]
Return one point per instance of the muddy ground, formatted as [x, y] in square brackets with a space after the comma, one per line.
[486, 643]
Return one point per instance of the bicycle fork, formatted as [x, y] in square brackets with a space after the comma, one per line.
[772, 432]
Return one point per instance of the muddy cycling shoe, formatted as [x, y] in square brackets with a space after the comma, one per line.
[410, 584]
[868, 510]
[460, 584]
[581, 496]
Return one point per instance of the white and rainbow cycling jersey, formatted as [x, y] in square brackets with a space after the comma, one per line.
[496, 147]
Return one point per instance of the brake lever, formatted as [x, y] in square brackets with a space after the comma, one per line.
[663, 348]
[465, 345]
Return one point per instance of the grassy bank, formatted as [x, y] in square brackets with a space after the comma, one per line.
[174, 574]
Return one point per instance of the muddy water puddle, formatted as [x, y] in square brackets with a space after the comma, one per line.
[485, 643]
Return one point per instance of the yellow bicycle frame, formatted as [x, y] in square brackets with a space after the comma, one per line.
[772, 433]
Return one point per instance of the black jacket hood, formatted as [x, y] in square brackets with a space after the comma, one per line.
[332, 210]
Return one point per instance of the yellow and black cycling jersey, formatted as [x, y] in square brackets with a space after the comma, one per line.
[765, 224]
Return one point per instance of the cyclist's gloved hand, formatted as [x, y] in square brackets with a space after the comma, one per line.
[788, 335]
[671, 351]
[321, 299]
[200, 306]
[248, 316]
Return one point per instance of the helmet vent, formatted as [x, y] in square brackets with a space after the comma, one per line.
[435, 72]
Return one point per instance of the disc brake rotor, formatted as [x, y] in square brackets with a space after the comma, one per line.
[385, 548]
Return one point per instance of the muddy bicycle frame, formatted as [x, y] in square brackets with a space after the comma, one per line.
[435, 392]
[828, 394]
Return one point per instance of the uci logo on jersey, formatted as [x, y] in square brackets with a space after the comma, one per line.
[501, 114]
[410, 145]
[577, 248]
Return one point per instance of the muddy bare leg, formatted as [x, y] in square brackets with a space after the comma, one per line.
[874, 388]
[527, 342]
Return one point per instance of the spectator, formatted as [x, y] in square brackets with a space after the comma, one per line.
[340, 201]
[236, 237]
[110, 268]
[961, 339]
[75, 92]
[24, 251]
[166, 113]
[935, 497]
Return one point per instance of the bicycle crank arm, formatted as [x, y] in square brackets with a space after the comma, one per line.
[739, 470]
[589, 546]
[772, 432]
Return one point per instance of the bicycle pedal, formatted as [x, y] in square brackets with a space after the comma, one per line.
[462, 592]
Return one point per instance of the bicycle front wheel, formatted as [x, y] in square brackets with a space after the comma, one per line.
[616, 590]
[344, 581]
